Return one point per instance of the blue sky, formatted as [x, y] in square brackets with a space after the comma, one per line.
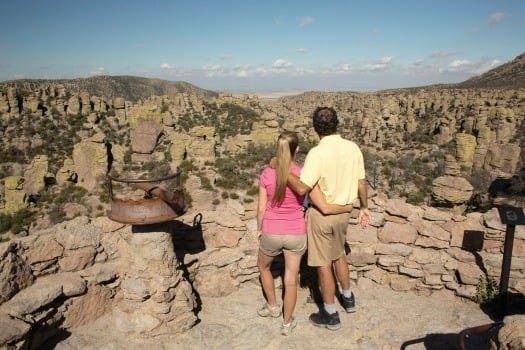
[262, 46]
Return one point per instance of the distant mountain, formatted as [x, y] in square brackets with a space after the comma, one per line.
[129, 87]
[510, 75]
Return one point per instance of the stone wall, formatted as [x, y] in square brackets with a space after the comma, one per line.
[150, 278]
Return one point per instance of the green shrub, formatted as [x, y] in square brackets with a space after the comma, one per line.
[486, 291]
[16, 222]
[253, 191]
[215, 201]
[6, 221]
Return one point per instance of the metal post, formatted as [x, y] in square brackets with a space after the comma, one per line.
[510, 216]
[505, 267]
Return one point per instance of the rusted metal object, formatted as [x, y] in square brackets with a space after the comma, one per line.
[158, 205]
[467, 333]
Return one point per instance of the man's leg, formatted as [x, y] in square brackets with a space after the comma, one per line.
[327, 317]
[326, 284]
[342, 272]
[319, 255]
[343, 276]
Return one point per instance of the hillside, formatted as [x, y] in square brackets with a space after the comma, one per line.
[129, 87]
[510, 75]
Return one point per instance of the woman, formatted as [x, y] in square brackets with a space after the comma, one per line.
[282, 229]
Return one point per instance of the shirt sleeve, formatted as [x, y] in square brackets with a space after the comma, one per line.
[361, 166]
[310, 173]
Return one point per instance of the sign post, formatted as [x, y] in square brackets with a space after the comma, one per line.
[510, 216]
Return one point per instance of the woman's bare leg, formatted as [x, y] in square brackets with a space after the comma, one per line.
[264, 262]
[291, 276]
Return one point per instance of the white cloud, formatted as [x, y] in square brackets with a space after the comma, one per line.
[166, 66]
[419, 62]
[345, 68]
[306, 21]
[441, 54]
[458, 65]
[215, 70]
[471, 67]
[381, 65]
[497, 17]
[281, 64]
[98, 71]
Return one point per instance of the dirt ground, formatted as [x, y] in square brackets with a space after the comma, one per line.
[384, 320]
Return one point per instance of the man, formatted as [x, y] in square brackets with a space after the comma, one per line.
[337, 166]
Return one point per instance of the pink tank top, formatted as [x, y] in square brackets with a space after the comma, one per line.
[287, 218]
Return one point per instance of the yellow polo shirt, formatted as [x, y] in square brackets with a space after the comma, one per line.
[336, 164]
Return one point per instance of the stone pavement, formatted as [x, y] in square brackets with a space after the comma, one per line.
[384, 320]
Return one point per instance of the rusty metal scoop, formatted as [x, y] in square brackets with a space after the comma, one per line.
[159, 204]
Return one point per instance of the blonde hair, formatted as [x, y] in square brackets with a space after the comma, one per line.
[286, 147]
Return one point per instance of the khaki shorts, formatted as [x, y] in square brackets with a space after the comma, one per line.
[326, 236]
[273, 245]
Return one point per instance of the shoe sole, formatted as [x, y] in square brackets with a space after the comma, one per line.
[270, 315]
[350, 310]
[332, 327]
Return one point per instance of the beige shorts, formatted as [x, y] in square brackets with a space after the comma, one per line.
[273, 245]
[326, 236]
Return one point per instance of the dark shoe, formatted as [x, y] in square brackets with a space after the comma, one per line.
[325, 320]
[348, 303]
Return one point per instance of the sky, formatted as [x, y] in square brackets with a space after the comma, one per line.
[251, 46]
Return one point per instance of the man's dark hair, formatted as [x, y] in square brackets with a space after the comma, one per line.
[325, 121]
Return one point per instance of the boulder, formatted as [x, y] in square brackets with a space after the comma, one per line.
[452, 190]
[91, 161]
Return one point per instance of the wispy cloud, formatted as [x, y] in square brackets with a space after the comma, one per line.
[306, 21]
[441, 54]
[381, 65]
[299, 50]
[471, 67]
[497, 17]
[439, 63]
[98, 71]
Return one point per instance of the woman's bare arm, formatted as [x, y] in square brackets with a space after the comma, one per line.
[261, 208]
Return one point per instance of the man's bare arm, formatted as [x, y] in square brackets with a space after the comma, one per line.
[318, 199]
[364, 214]
[293, 181]
[296, 185]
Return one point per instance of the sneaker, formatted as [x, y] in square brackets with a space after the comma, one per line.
[267, 311]
[326, 320]
[287, 329]
[348, 303]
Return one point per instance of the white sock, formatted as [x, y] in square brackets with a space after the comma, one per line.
[347, 293]
[330, 308]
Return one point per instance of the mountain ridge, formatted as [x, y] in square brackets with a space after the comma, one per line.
[509, 75]
[131, 88]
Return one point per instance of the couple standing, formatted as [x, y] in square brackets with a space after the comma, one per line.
[333, 176]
